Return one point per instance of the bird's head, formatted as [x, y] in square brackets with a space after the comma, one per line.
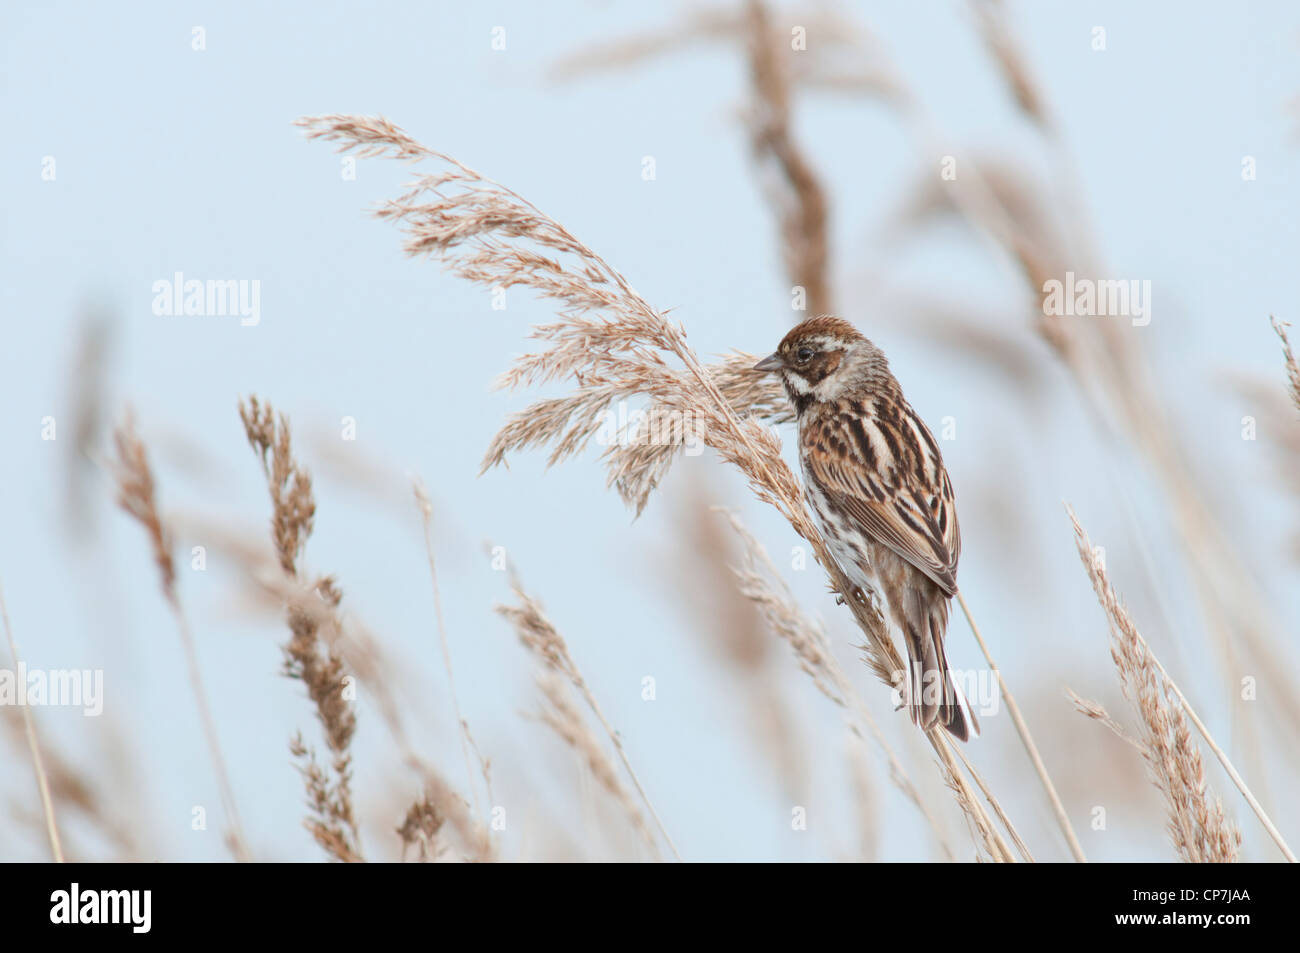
[820, 358]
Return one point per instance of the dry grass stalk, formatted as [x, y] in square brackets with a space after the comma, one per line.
[293, 507]
[722, 619]
[442, 799]
[996, 805]
[791, 183]
[981, 827]
[866, 801]
[759, 581]
[990, 16]
[33, 747]
[1292, 367]
[466, 740]
[1098, 713]
[806, 637]
[1110, 369]
[797, 196]
[1108, 366]
[847, 57]
[541, 638]
[420, 829]
[1022, 729]
[309, 657]
[561, 715]
[813, 650]
[87, 388]
[136, 495]
[695, 26]
[786, 175]
[72, 790]
[362, 654]
[1197, 825]
[329, 822]
[485, 233]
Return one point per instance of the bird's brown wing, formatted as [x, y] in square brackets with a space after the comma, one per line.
[884, 470]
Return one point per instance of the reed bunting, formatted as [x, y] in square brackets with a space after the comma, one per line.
[877, 484]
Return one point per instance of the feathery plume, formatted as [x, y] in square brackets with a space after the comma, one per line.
[540, 637]
[309, 657]
[612, 345]
[1197, 825]
[1292, 367]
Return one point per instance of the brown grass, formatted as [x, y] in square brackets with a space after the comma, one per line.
[797, 197]
[33, 747]
[1197, 825]
[1109, 366]
[608, 347]
[544, 641]
[611, 345]
[794, 190]
[425, 505]
[309, 658]
[1292, 367]
[699, 569]
[786, 174]
[761, 583]
[136, 495]
[462, 836]
[420, 829]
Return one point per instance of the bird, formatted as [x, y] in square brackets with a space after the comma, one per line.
[877, 486]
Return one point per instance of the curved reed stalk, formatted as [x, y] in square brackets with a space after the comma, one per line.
[1062, 819]
[612, 346]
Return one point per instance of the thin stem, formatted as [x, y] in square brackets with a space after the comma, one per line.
[29, 726]
[998, 848]
[1023, 729]
[238, 845]
[997, 808]
[422, 500]
[618, 746]
[845, 695]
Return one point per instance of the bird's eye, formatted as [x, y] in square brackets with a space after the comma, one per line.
[804, 355]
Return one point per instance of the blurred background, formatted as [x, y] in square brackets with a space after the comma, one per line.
[719, 156]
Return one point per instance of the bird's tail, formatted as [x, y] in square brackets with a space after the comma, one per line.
[935, 697]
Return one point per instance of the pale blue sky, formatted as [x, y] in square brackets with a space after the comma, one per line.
[171, 159]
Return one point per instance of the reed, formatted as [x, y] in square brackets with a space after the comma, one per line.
[611, 345]
[136, 495]
[1197, 825]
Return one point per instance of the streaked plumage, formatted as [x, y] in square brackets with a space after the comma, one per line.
[875, 480]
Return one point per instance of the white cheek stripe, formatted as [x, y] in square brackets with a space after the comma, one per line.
[798, 384]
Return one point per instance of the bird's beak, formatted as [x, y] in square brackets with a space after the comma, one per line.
[772, 362]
